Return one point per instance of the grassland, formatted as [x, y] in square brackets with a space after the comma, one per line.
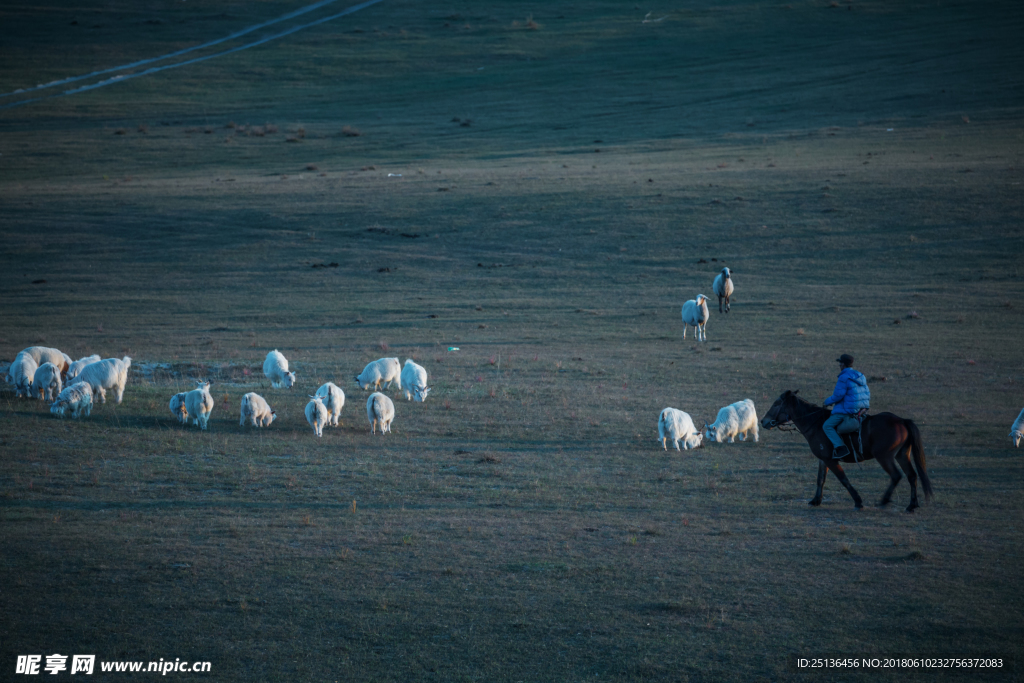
[523, 523]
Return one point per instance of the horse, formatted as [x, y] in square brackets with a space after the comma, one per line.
[887, 438]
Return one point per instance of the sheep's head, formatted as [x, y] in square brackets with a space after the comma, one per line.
[203, 384]
[288, 380]
[270, 419]
[1016, 437]
[420, 394]
[700, 440]
[710, 432]
[700, 300]
[726, 273]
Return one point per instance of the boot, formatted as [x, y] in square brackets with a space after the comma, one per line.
[841, 452]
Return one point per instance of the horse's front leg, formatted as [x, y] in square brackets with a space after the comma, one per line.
[822, 473]
[841, 476]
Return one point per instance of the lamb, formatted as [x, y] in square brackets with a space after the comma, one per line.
[317, 415]
[695, 312]
[44, 354]
[77, 397]
[109, 373]
[678, 426]
[199, 403]
[414, 381]
[380, 410]
[46, 382]
[256, 409]
[177, 406]
[275, 367]
[382, 370]
[738, 418]
[723, 288]
[334, 400]
[21, 374]
[1017, 430]
[75, 367]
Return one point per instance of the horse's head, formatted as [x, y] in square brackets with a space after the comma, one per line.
[780, 411]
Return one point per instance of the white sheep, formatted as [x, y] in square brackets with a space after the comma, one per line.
[1017, 430]
[75, 367]
[723, 288]
[414, 381]
[109, 373]
[695, 312]
[77, 397]
[44, 354]
[380, 411]
[177, 406]
[382, 370]
[317, 415]
[678, 426]
[256, 409]
[21, 374]
[199, 403]
[334, 400]
[46, 382]
[738, 418]
[275, 367]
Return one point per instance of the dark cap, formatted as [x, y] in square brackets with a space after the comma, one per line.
[845, 359]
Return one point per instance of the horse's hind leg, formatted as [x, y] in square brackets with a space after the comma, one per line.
[837, 469]
[904, 460]
[887, 463]
[822, 473]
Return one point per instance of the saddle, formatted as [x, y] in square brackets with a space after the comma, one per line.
[853, 441]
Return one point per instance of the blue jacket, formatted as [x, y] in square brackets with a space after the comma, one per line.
[851, 394]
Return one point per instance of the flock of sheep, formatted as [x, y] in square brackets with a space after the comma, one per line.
[49, 374]
[324, 407]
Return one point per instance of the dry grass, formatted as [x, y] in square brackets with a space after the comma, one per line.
[523, 523]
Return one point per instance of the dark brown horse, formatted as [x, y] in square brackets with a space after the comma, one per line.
[887, 438]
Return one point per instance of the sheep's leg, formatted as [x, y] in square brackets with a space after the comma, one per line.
[119, 390]
[726, 303]
[732, 439]
[720, 303]
[675, 442]
[103, 395]
[664, 444]
[684, 331]
[756, 433]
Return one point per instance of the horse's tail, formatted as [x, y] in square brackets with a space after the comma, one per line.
[918, 451]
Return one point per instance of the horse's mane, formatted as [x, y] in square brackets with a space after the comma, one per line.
[806, 406]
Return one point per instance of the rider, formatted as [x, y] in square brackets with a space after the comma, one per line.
[852, 399]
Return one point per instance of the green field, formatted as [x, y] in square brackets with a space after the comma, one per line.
[541, 186]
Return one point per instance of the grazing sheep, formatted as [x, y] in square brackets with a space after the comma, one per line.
[1017, 430]
[723, 288]
[317, 415]
[21, 374]
[414, 381]
[44, 354]
[75, 367]
[275, 367]
[109, 373]
[77, 397]
[46, 382]
[199, 403]
[380, 410]
[695, 312]
[177, 406]
[382, 370]
[678, 426]
[256, 409]
[738, 418]
[334, 400]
